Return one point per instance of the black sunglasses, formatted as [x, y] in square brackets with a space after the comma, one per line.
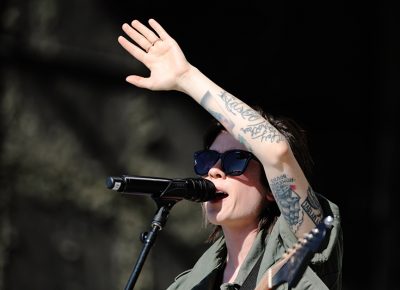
[233, 162]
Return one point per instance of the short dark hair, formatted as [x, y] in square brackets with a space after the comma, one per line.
[297, 139]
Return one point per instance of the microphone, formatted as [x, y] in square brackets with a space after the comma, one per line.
[194, 189]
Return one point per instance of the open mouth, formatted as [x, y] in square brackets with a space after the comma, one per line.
[220, 195]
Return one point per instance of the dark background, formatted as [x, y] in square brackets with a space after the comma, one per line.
[69, 120]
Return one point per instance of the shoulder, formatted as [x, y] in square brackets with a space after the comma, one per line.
[332, 246]
[325, 265]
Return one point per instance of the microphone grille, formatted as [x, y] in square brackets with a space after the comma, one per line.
[201, 190]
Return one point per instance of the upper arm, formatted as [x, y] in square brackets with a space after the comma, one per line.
[294, 195]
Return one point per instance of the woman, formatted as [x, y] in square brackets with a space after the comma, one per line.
[246, 147]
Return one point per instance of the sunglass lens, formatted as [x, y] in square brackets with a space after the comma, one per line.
[235, 162]
[204, 160]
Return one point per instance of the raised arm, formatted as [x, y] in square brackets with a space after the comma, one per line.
[169, 70]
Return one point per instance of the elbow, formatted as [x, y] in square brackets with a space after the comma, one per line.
[277, 154]
[282, 152]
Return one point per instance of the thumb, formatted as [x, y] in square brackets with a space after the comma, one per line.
[138, 81]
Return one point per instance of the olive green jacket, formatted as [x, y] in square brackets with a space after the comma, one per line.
[323, 272]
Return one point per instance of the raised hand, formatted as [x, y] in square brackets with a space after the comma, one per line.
[159, 52]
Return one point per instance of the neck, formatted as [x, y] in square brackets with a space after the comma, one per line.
[238, 244]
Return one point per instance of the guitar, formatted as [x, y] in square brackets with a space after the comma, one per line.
[294, 261]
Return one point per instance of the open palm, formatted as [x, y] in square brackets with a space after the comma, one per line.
[158, 52]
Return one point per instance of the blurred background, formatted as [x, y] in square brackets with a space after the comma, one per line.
[68, 120]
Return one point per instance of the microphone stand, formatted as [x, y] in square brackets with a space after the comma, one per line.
[148, 238]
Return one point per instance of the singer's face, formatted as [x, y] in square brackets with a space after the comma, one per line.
[246, 195]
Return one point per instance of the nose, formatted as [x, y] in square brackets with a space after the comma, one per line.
[216, 171]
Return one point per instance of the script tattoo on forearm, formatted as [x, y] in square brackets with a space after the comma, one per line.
[312, 207]
[288, 200]
[205, 103]
[236, 106]
[263, 131]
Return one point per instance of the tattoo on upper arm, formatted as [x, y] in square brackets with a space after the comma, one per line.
[288, 200]
[312, 207]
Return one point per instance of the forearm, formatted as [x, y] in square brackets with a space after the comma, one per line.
[239, 119]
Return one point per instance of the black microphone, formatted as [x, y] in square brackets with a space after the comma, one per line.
[194, 189]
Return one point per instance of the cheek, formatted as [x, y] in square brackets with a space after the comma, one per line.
[250, 196]
[252, 177]
[252, 192]
[252, 199]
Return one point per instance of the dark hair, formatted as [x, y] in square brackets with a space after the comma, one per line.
[296, 137]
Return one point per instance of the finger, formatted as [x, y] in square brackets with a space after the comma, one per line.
[135, 51]
[138, 81]
[145, 31]
[142, 41]
[158, 28]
